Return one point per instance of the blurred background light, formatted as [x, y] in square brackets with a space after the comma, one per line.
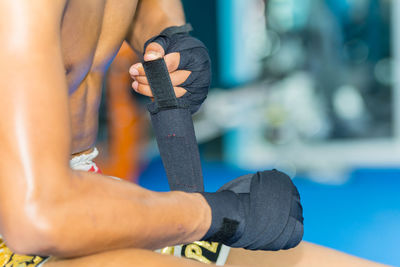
[310, 87]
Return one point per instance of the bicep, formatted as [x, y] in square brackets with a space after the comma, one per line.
[34, 123]
[153, 16]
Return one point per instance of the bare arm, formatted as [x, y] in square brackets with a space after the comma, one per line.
[45, 207]
[153, 16]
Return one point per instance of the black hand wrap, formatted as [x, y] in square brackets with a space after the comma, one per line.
[173, 127]
[193, 57]
[257, 212]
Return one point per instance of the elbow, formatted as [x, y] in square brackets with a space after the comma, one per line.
[26, 237]
[32, 225]
[28, 220]
[30, 235]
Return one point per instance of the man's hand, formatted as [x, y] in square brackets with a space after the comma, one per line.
[155, 51]
[187, 61]
[257, 212]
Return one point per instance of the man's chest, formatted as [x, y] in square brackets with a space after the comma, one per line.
[92, 32]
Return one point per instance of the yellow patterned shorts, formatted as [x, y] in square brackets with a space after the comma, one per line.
[10, 259]
[202, 251]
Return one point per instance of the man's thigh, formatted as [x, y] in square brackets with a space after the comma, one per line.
[306, 254]
[126, 257]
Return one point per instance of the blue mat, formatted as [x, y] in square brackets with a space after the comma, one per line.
[361, 217]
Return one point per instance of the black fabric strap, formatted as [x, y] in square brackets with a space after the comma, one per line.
[177, 29]
[160, 84]
[193, 57]
[257, 212]
[173, 127]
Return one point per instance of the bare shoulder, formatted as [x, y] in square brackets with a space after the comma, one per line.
[24, 19]
[25, 10]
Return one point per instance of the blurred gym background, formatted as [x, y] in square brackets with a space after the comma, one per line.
[309, 87]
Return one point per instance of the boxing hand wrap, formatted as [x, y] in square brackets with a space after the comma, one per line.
[174, 131]
[257, 212]
[193, 57]
[173, 128]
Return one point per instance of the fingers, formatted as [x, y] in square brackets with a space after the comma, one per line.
[177, 77]
[153, 51]
[145, 89]
[171, 60]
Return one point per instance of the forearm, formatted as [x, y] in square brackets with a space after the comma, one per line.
[152, 16]
[103, 214]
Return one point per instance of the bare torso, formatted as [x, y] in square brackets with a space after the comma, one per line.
[92, 32]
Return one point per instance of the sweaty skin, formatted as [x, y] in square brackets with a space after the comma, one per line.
[91, 49]
[53, 58]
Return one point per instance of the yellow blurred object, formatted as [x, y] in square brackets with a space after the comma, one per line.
[10, 259]
[202, 251]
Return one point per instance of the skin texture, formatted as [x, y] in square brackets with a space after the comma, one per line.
[56, 205]
[53, 59]
[305, 255]
[128, 257]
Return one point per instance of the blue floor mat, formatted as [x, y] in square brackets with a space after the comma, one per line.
[361, 217]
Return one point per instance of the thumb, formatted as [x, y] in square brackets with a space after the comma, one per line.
[153, 52]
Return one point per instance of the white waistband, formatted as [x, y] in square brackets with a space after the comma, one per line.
[84, 162]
